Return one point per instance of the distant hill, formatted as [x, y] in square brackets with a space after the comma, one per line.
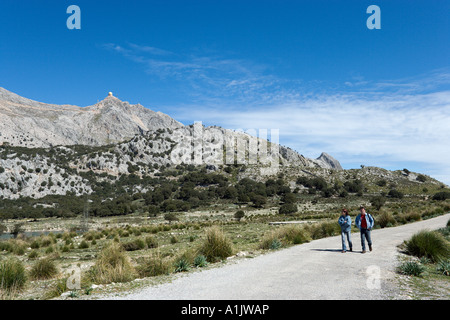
[45, 148]
[29, 123]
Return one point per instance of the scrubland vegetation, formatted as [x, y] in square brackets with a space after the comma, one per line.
[189, 218]
[426, 264]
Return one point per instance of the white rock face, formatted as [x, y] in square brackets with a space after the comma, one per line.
[64, 143]
[28, 123]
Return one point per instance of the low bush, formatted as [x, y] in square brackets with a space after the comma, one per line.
[136, 244]
[56, 289]
[441, 196]
[44, 269]
[411, 268]
[151, 242]
[112, 265]
[12, 275]
[200, 261]
[324, 229]
[46, 241]
[444, 267]
[33, 254]
[428, 244]
[288, 235]
[153, 266]
[288, 208]
[216, 245]
[385, 219]
[83, 245]
[239, 215]
[181, 265]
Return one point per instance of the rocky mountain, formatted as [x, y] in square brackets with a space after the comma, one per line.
[29, 123]
[48, 149]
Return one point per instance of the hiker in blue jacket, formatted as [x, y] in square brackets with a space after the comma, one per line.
[364, 222]
[345, 221]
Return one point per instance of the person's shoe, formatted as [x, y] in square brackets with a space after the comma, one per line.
[343, 251]
[351, 250]
[370, 248]
[364, 251]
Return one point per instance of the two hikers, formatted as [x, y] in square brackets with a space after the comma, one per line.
[364, 221]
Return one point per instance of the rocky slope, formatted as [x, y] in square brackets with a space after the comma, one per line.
[45, 149]
[28, 123]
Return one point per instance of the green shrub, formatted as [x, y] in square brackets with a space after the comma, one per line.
[421, 178]
[289, 235]
[151, 242]
[428, 244]
[33, 254]
[56, 289]
[297, 236]
[17, 246]
[200, 261]
[216, 245]
[385, 219]
[153, 266]
[83, 245]
[49, 250]
[239, 215]
[35, 245]
[393, 193]
[181, 265]
[411, 268]
[288, 208]
[136, 244]
[412, 216]
[112, 265]
[444, 267]
[12, 275]
[441, 196]
[275, 244]
[378, 202]
[324, 229]
[46, 241]
[44, 269]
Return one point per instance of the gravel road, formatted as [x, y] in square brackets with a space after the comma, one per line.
[314, 270]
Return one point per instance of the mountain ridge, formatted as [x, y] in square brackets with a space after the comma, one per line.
[127, 146]
[30, 123]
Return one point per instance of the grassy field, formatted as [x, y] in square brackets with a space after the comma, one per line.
[151, 249]
[424, 266]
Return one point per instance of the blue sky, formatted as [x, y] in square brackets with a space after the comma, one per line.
[311, 69]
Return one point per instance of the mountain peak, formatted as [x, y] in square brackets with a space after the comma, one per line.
[30, 123]
[330, 161]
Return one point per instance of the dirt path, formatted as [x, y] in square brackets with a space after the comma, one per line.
[315, 270]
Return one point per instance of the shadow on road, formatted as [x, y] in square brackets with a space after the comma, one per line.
[332, 250]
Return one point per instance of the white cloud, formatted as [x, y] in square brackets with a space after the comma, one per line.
[394, 122]
[396, 128]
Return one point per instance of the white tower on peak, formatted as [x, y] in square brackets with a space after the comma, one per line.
[110, 94]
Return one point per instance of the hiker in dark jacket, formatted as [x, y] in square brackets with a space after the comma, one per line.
[364, 222]
[345, 221]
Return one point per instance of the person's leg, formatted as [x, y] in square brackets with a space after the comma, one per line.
[349, 239]
[369, 239]
[363, 242]
[344, 248]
